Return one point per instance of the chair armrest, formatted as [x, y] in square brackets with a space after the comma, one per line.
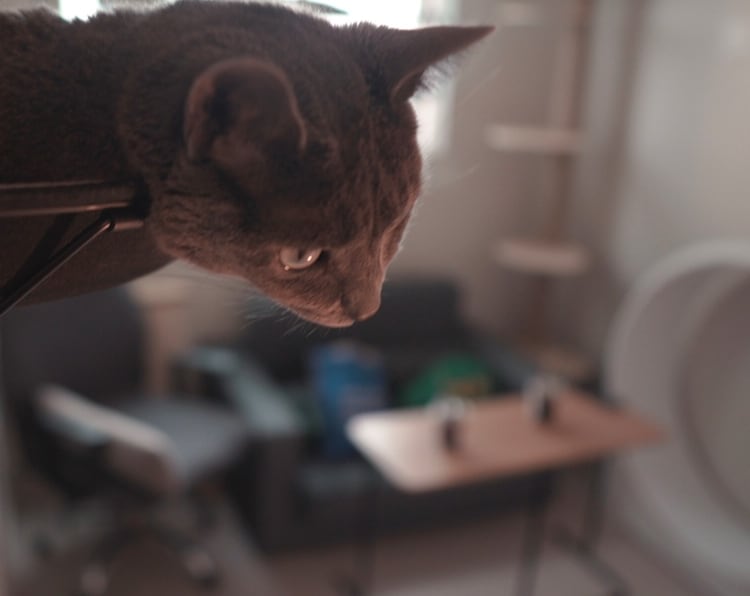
[203, 370]
[57, 418]
[241, 384]
[133, 450]
[265, 490]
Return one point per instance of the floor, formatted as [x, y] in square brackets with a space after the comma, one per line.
[474, 559]
[477, 559]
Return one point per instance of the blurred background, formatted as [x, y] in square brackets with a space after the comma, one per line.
[585, 215]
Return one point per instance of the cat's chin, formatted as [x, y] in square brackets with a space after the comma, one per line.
[335, 324]
[328, 321]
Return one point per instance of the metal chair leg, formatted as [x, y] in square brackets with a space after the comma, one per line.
[94, 580]
[195, 559]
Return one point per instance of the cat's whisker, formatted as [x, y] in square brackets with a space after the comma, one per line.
[295, 326]
[458, 178]
[210, 280]
[491, 76]
[247, 321]
[312, 329]
[234, 297]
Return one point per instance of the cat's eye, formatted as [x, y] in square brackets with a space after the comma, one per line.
[299, 258]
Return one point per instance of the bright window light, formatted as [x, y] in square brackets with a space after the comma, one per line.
[402, 14]
[433, 109]
[78, 9]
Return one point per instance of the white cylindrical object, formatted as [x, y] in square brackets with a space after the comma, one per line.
[679, 351]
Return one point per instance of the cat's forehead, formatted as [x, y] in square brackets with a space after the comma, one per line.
[360, 170]
[356, 201]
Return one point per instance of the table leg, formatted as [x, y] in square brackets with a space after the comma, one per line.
[592, 524]
[362, 580]
[593, 516]
[533, 540]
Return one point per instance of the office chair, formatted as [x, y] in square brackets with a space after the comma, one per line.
[72, 373]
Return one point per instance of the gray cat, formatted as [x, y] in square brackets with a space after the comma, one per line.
[268, 144]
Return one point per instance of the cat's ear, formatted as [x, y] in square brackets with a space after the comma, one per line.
[237, 108]
[408, 54]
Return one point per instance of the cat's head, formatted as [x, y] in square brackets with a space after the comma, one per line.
[303, 182]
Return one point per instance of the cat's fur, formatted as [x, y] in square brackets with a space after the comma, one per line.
[251, 127]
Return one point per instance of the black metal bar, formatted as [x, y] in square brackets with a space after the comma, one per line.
[34, 199]
[592, 522]
[96, 575]
[108, 221]
[584, 545]
[368, 550]
[362, 580]
[617, 586]
[533, 540]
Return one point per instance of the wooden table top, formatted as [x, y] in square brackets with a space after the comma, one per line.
[497, 438]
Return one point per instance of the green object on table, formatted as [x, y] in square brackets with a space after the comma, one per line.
[457, 374]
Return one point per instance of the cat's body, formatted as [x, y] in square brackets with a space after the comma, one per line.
[256, 132]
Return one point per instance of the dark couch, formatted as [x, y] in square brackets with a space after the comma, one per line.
[289, 493]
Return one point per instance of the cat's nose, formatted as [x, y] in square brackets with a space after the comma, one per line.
[361, 306]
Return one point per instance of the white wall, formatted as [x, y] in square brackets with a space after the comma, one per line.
[673, 167]
[686, 170]
[475, 195]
